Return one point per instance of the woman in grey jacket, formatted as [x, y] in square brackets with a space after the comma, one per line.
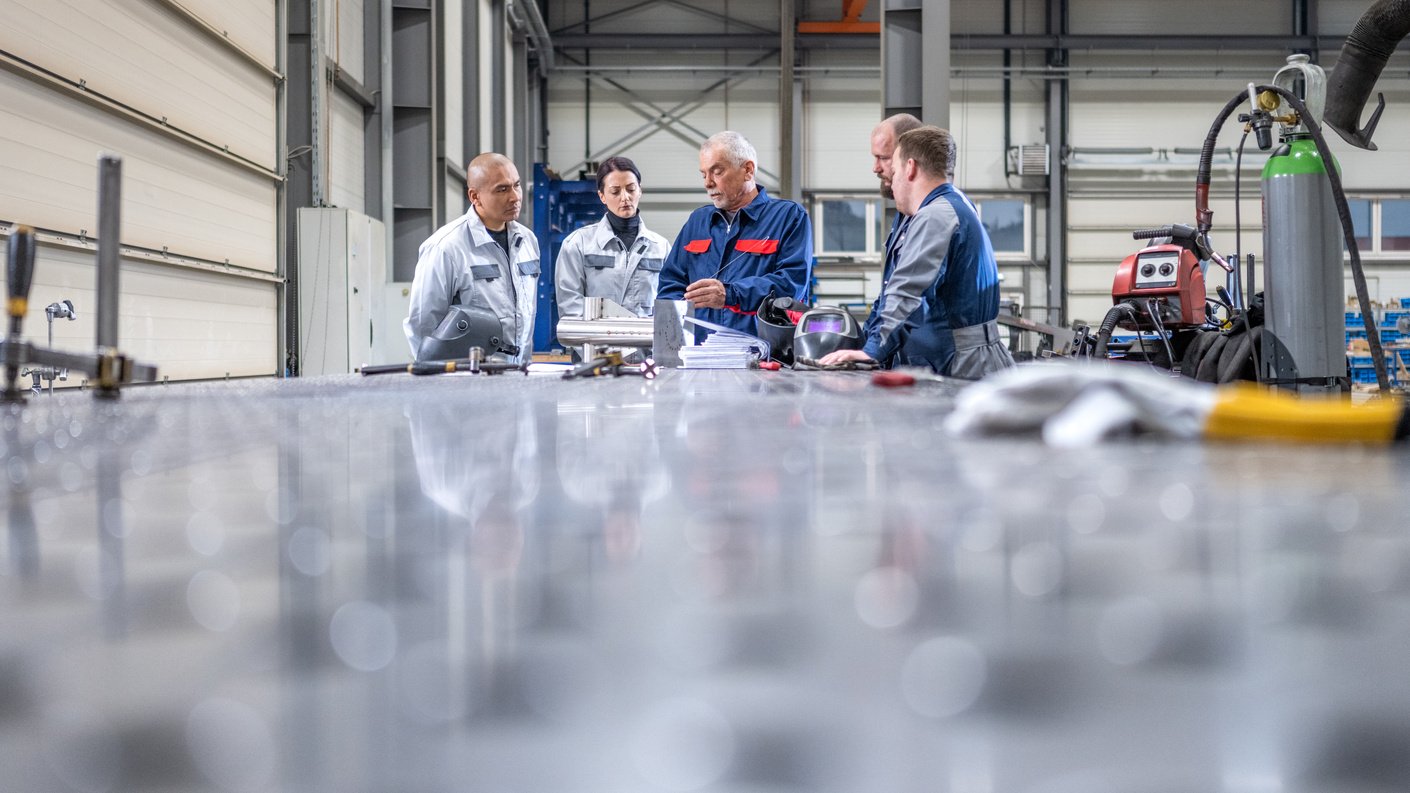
[617, 257]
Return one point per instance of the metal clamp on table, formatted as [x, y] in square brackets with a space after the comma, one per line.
[108, 367]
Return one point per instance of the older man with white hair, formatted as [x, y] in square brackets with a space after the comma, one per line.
[742, 247]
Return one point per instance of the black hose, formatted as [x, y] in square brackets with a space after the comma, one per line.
[1363, 56]
[1108, 325]
[1154, 311]
[1358, 274]
[1238, 219]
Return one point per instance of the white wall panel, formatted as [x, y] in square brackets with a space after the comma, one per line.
[249, 23]
[189, 323]
[346, 164]
[1163, 17]
[140, 54]
[174, 196]
[345, 36]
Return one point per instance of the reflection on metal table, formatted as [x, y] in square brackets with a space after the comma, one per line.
[716, 580]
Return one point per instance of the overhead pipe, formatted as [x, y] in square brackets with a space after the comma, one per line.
[1363, 56]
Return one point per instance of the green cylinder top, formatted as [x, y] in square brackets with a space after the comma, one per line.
[1300, 157]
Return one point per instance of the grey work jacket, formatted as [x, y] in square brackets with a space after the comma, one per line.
[462, 261]
[593, 263]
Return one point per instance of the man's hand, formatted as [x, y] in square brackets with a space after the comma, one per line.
[706, 293]
[842, 356]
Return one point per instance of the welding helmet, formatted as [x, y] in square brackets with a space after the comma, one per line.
[775, 322]
[465, 327]
[823, 330]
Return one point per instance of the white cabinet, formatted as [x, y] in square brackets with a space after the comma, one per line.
[342, 276]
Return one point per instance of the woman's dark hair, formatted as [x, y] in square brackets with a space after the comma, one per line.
[615, 164]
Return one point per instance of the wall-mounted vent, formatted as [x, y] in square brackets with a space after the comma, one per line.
[1029, 160]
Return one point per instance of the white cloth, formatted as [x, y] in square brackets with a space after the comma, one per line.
[593, 263]
[462, 258]
[1074, 404]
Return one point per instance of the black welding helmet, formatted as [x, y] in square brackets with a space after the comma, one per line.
[823, 330]
[465, 327]
[773, 324]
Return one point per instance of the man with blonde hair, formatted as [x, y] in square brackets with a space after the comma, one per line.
[940, 306]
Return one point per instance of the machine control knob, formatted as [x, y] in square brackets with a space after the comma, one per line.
[1147, 270]
[1167, 269]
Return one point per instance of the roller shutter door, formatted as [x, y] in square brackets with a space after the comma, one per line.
[187, 93]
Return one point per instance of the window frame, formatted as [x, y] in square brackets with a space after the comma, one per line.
[1027, 235]
[1377, 250]
[872, 222]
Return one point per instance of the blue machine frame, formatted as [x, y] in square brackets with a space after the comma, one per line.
[560, 208]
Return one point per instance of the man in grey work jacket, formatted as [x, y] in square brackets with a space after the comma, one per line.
[940, 304]
[741, 248]
[482, 259]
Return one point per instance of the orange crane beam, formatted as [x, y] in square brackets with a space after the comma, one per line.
[850, 23]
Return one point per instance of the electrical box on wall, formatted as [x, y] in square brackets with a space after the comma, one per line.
[342, 272]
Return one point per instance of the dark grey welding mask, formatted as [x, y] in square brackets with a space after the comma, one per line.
[465, 327]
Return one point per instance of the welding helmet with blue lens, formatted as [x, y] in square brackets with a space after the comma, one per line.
[823, 330]
[465, 327]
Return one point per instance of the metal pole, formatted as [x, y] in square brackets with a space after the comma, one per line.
[788, 180]
[109, 245]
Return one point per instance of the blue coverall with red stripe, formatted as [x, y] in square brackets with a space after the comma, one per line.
[767, 251]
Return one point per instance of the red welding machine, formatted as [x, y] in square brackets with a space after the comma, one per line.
[1168, 274]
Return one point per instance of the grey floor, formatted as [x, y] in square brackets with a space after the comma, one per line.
[722, 581]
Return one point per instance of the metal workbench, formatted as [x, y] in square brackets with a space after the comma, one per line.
[723, 581]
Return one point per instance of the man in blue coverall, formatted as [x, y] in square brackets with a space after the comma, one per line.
[940, 301]
[743, 247]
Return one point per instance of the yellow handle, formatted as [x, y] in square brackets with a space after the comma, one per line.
[1249, 411]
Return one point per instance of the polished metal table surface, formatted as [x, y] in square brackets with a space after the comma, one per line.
[723, 581]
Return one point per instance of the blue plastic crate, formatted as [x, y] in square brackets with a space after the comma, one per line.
[1355, 334]
[1363, 375]
[1405, 302]
[1360, 361]
[1353, 318]
[1389, 334]
[1392, 317]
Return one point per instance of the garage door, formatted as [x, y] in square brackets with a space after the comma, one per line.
[187, 94]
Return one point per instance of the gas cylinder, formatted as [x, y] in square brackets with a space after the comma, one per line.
[1304, 334]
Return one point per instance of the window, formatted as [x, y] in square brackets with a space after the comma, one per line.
[844, 225]
[1006, 220]
[847, 225]
[850, 225]
[1395, 224]
[1361, 221]
[1382, 226]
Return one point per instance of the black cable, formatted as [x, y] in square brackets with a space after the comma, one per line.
[1246, 291]
[1204, 216]
[1154, 313]
[1238, 219]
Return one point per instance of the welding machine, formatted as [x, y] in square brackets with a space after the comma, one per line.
[1160, 289]
[1166, 279]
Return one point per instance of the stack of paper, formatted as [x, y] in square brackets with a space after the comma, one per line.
[725, 348]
